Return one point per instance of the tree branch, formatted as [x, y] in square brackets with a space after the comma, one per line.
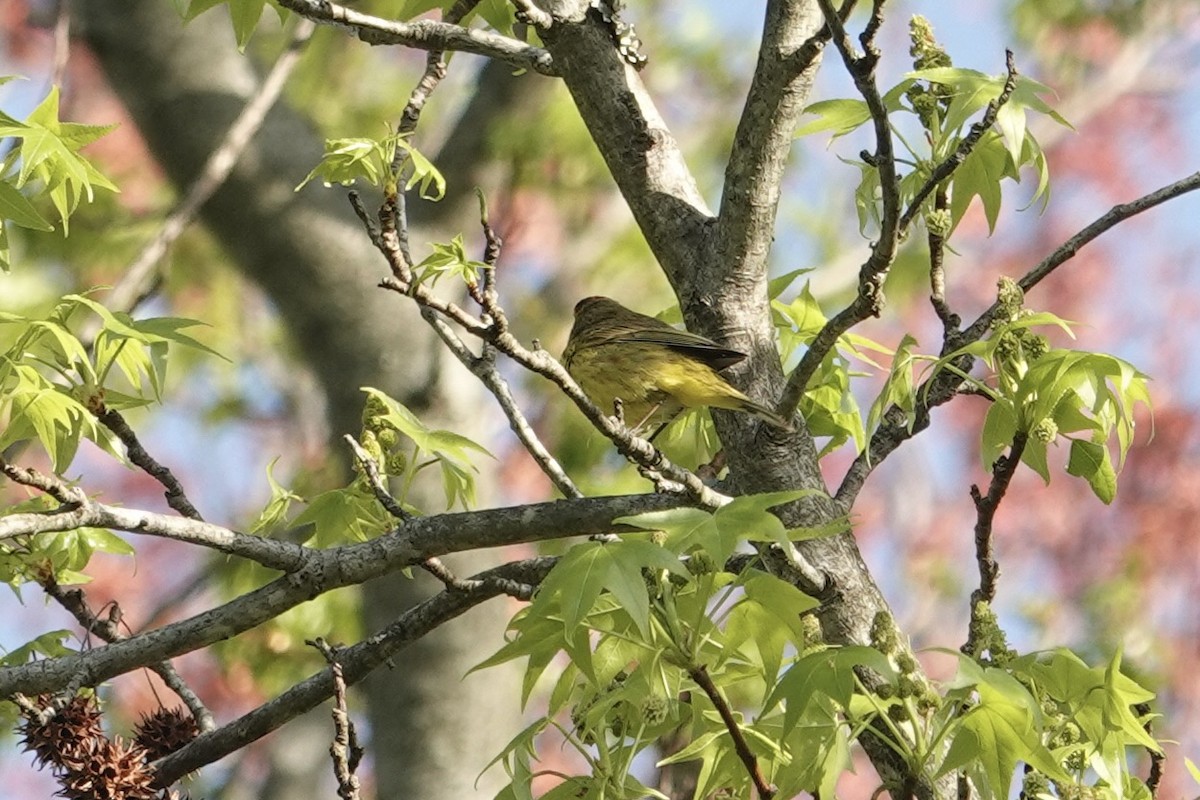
[176, 497]
[953, 161]
[344, 749]
[108, 629]
[313, 572]
[700, 675]
[357, 661]
[273, 554]
[985, 511]
[788, 57]
[136, 282]
[897, 428]
[1065, 252]
[869, 300]
[426, 35]
[642, 155]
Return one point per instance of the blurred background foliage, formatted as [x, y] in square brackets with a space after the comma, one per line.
[1075, 572]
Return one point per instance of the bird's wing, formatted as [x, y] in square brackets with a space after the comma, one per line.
[690, 344]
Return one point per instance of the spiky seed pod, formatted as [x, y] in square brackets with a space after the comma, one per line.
[165, 731]
[63, 734]
[111, 770]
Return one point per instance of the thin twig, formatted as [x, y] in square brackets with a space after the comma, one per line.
[1157, 757]
[985, 511]
[700, 675]
[869, 300]
[62, 42]
[70, 496]
[271, 553]
[176, 497]
[529, 13]
[137, 282]
[435, 71]
[953, 161]
[438, 569]
[357, 662]
[937, 274]
[371, 470]
[108, 629]
[426, 34]
[672, 478]
[344, 749]
[1115, 215]
[897, 427]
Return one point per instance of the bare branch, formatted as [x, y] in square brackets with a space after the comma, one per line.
[937, 275]
[1157, 757]
[435, 71]
[313, 572]
[700, 675]
[357, 662]
[426, 35]
[528, 12]
[176, 497]
[985, 511]
[108, 629]
[344, 749]
[52, 485]
[273, 554]
[869, 300]
[896, 427]
[1068, 249]
[136, 283]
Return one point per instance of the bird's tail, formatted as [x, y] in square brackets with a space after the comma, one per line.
[767, 415]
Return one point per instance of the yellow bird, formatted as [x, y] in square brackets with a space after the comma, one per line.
[655, 370]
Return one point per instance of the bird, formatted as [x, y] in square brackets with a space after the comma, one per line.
[652, 368]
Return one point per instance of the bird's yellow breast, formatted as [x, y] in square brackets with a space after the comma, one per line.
[645, 375]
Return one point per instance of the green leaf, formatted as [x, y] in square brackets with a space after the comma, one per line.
[15, 207]
[824, 673]
[590, 568]
[414, 8]
[1092, 462]
[450, 258]
[47, 150]
[778, 285]
[342, 515]
[748, 518]
[245, 15]
[1192, 769]
[425, 174]
[898, 389]
[275, 512]
[979, 176]
[499, 14]
[105, 541]
[348, 160]
[769, 617]
[48, 645]
[840, 116]
[1003, 729]
[452, 451]
[684, 528]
